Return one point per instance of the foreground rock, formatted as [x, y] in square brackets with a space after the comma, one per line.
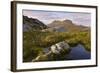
[59, 47]
[57, 51]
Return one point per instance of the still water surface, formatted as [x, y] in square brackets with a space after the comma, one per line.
[76, 53]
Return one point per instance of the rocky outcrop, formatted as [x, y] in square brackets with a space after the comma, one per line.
[56, 50]
[58, 47]
[32, 24]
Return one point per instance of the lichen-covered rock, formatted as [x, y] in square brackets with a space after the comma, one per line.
[54, 49]
[59, 47]
[57, 51]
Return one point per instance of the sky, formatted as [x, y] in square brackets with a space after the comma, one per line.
[47, 17]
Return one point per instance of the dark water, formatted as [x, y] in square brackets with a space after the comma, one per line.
[78, 52]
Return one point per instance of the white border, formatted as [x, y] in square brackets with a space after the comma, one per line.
[21, 65]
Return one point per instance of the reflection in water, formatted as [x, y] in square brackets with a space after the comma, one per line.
[78, 52]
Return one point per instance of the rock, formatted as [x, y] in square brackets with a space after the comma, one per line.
[59, 47]
[33, 24]
[54, 49]
[62, 45]
[40, 58]
[57, 50]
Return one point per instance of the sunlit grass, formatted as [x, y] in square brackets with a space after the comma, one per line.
[35, 41]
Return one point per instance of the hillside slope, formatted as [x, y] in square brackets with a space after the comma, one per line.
[67, 25]
[32, 23]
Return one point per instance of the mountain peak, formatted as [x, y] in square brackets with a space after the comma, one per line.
[67, 21]
[56, 21]
[67, 25]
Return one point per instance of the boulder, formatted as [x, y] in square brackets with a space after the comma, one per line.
[40, 58]
[59, 47]
[56, 51]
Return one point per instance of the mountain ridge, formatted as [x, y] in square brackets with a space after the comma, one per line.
[68, 25]
[32, 23]
[56, 25]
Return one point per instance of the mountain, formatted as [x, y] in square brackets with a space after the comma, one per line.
[67, 25]
[32, 24]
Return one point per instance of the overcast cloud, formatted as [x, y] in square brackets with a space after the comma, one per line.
[49, 16]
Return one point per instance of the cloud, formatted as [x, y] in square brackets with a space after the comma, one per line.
[49, 16]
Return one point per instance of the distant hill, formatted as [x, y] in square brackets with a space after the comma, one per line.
[67, 25]
[32, 23]
[56, 25]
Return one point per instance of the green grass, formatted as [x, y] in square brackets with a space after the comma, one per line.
[35, 41]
